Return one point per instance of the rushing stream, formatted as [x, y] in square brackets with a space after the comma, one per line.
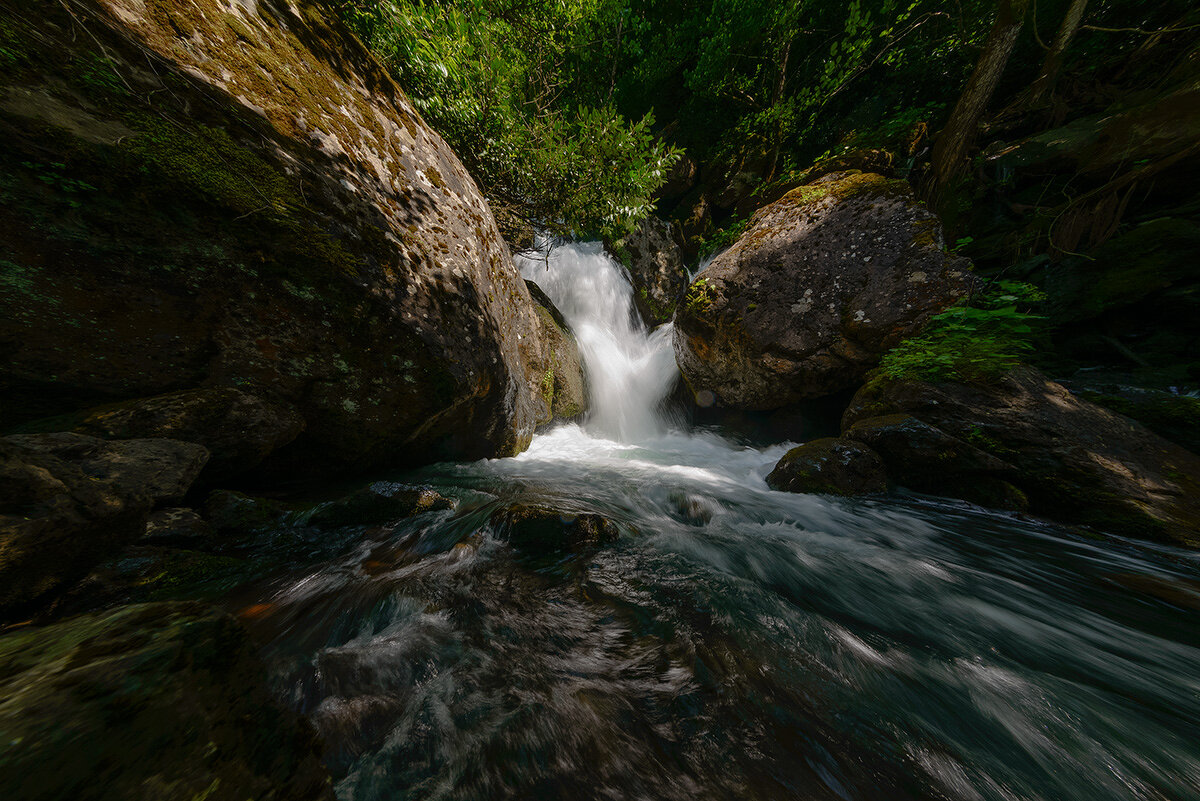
[733, 642]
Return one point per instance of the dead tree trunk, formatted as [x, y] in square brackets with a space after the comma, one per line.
[958, 135]
[1044, 85]
[776, 99]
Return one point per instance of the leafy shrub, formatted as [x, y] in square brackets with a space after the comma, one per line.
[974, 341]
[724, 237]
[492, 78]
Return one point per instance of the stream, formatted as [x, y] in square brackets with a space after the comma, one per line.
[732, 642]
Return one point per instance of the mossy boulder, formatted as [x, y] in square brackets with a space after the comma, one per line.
[239, 430]
[823, 283]
[830, 466]
[253, 204]
[1073, 460]
[148, 702]
[68, 501]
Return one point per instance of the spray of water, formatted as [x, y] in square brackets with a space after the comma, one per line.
[630, 370]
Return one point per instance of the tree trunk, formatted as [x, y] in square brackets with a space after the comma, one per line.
[1044, 84]
[775, 101]
[959, 134]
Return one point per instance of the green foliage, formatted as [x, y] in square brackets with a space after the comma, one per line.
[699, 297]
[765, 83]
[495, 78]
[97, 76]
[976, 341]
[52, 175]
[724, 237]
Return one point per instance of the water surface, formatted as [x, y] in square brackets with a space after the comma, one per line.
[733, 642]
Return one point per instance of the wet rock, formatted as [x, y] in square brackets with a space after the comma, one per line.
[68, 501]
[233, 513]
[156, 571]
[381, 502]
[656, 268]
[823, 283]
[1172, 416]
[1072, 459]
[830, 466]
[176, 525]
[563, 386]
[924, 458]
[544, 529]
[151, 701]
[308, 240]
[239, 430]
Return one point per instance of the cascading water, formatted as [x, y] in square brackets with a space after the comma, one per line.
[630, 371]
[733, 642]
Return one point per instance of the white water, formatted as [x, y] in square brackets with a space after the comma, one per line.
[630, 370]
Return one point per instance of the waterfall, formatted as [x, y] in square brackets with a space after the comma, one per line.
[630, 370]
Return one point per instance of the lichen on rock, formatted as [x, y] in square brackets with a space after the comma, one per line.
[820, 286]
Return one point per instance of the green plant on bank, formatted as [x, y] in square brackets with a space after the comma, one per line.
[978, 340]
[699, 297]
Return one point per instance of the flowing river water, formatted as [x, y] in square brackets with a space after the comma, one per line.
[733, 642]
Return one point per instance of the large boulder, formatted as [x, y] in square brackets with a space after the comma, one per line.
[1074, 461]
[148, 702]
[239, 430]
[67, 501]
[830, 466]
[824, 282]
[212, 194]
[656, 268]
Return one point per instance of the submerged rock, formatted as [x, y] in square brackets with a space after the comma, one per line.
[546, 529]
[67, 501]
[692, 509]
[824, 282]
[252, 203]
[239, 430]
[1072, 459]
[177, 525]
[830, 466]
[150, 701]
[381, 502]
